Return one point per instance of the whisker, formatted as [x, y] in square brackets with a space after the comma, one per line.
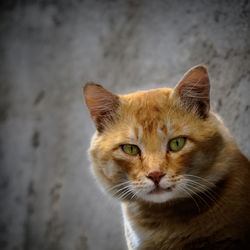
[204, 188]
[212, 195]
[135, 194]
[117, 185]
[211, 198]
[198, 177]
[183, 189]
[125, 194]
[119, 190]
[195, 193]
[210, 211]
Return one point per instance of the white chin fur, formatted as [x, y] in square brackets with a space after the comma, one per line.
[158, 198]
[162, 197]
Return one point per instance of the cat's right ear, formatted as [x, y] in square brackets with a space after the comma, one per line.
[193, 90]
[101, 103]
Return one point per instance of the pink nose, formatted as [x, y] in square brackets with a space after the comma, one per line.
[155, 176]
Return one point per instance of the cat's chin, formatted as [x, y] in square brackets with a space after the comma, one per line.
[158, 197]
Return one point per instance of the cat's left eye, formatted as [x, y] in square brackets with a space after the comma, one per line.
[177, 144]
[130, 149]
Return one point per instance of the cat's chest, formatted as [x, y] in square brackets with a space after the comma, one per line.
[135, 236]
[138, 237]
[150, 233]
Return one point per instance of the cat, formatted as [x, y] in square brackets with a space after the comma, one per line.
[182, 181]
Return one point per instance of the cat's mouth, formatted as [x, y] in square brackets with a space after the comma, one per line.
[160, 190]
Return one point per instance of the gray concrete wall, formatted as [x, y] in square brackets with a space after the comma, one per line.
[49, 199]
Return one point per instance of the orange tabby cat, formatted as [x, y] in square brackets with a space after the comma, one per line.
[180, 175]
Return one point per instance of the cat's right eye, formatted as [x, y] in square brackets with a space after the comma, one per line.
[177, 144]
[130, 149]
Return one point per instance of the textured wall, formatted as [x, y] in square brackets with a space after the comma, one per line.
[49, 199]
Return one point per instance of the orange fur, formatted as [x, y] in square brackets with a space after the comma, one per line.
[202, 201]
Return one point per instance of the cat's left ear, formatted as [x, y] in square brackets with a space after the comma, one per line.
[102, 105]
[194, 90]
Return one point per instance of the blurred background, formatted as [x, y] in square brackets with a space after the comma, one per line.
[48, 50]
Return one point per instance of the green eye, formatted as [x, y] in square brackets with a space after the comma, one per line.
[130, 149]
[177, 144]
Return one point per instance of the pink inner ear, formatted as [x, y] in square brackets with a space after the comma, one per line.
[194, 89]
[101, 103]
[95, 96]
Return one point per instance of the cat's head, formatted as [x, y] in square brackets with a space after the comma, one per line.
[155, 145]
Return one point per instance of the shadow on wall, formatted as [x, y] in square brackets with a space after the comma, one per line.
[49, 199]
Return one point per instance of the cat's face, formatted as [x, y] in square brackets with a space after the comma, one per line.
[155, 145]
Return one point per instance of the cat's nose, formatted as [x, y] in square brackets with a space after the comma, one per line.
[155, 176]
